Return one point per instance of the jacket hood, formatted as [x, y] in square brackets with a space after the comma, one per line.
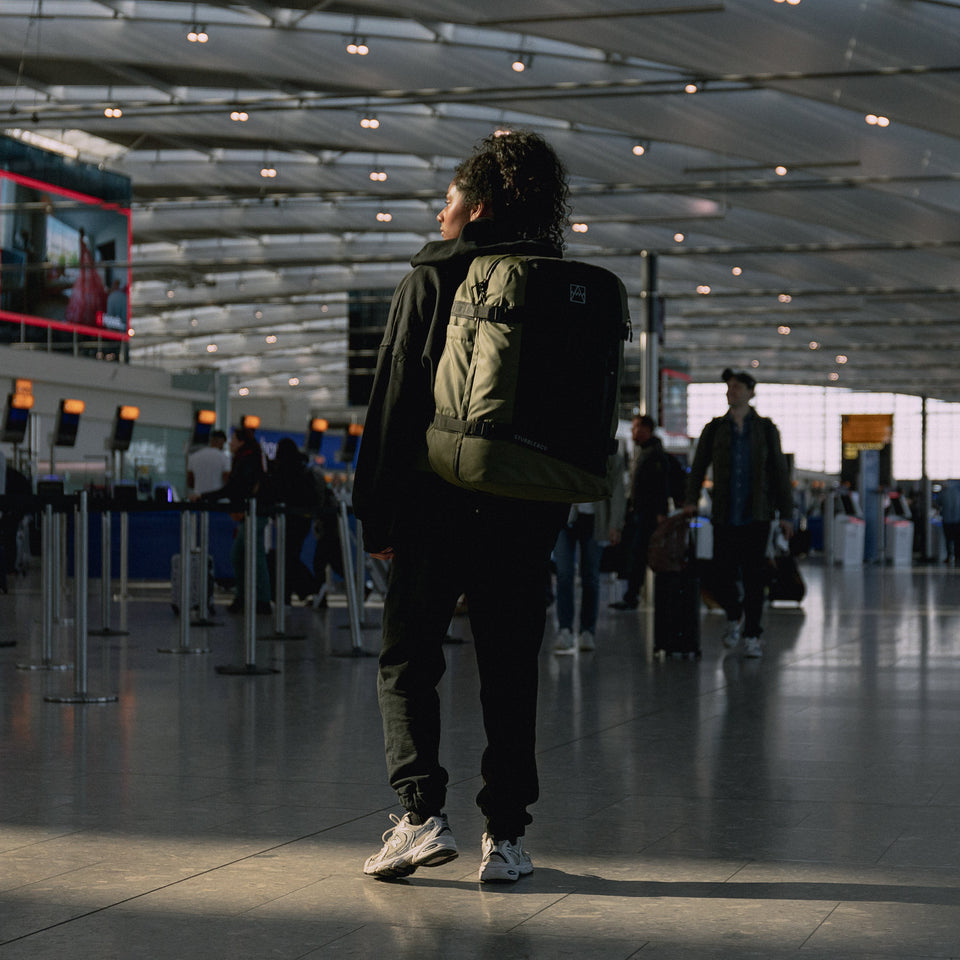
[479, 237]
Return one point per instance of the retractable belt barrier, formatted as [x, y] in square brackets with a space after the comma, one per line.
[52, 511]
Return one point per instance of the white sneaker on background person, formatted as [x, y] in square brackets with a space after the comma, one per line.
[587, 641]
[752, 648]
[564, 642]
[732, 635]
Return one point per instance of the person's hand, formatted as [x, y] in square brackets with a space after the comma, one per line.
[385, 554]
[614, 536]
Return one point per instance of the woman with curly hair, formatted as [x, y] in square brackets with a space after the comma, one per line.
[509, 197]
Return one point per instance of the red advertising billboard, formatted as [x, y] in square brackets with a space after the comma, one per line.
[64, 263]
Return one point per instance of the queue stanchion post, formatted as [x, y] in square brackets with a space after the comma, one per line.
[124, 595]
[106, 577]
[183, 593]
[205, 617]
[81, 558]
[280, 579]
[249, 667]
[353, 602]
[47, 563]
[58, 547]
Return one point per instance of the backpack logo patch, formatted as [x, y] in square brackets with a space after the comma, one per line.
[578, 293]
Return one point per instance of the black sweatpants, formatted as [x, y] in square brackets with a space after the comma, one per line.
[495, 551]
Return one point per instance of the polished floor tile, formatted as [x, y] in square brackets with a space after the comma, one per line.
[803, 806]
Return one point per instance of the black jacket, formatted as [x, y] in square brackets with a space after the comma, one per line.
[393, 452]
[245, 479]
[651, 483]
[770, 491]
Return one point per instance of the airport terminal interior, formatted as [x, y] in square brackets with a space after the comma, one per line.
[205, 208]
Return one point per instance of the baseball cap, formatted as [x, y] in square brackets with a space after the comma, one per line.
[741, 375]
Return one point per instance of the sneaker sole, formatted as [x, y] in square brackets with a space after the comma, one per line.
[431, 856]
[504, 872]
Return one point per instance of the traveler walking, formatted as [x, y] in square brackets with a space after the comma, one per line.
[750, 485]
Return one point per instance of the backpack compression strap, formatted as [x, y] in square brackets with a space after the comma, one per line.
[495, 313]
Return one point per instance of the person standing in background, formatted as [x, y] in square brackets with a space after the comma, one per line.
[246, 480]
[646, 505]
[590, 527]
[950, 518]
[209, 467]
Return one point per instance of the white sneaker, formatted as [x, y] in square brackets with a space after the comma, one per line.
[504, 861]
[564, 642]
[587, 641]
[731, 636]
[752, 648]
[407, 846]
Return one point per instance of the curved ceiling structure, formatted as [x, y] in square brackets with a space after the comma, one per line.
[794, 165]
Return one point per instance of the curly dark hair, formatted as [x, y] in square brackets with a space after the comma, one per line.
[522, 180]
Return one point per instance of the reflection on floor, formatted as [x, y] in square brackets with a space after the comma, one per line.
[806, 805]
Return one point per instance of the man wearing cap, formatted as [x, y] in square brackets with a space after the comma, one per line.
[750, 486]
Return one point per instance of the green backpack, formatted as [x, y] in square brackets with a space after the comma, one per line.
[527, 388]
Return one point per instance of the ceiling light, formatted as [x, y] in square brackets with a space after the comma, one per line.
[170, 294]
[211, 348]
[703, 289]
[692, 88]
[384, 217]
[579, 227]
[754, 364]
[639, 149]
[194, 322]
[198, 34]
[357, 46]
[814, 345]
[268, 172]
[841, 358]
[679, 238]
[369, 123]
[780, 171]
[521, 62]
[244, 391]
[785, 298]
[737, 271]
[113, 112]
[294, 381]
[834, 375]
[239, 115]
[258, 314]
[783, 330]
[378, 175]
[270, 339]
[502, 132]
[875, 120]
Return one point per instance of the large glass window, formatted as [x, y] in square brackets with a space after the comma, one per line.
[809, 423]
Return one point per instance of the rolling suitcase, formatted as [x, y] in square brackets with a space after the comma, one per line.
[676, 589]
[194, 582]
[786, 583]
[676, 614]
